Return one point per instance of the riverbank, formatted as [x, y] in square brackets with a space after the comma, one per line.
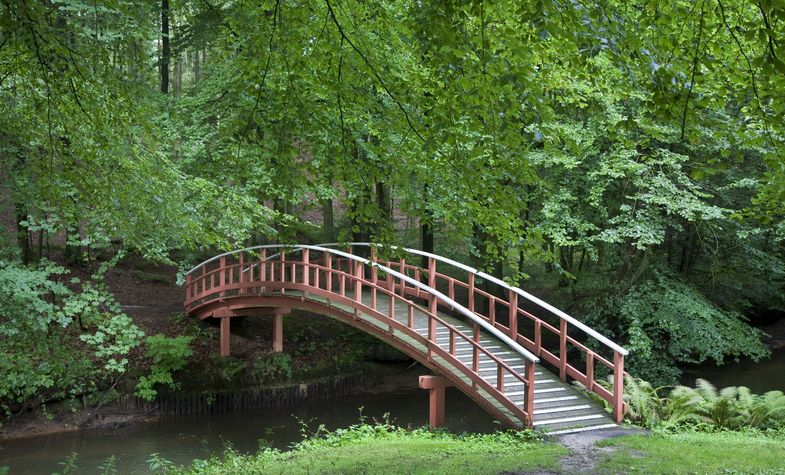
[65, 416]
[383, 448]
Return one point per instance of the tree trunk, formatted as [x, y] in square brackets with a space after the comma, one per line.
[178, 79]
[197, 66]
[165, 52]
[426, 228]
[22, 234]
[328, 221]
[383, 200]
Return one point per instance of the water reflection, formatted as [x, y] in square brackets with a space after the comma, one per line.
[765, 375]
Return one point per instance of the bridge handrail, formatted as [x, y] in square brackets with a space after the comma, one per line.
[435, 293]
[559, 313]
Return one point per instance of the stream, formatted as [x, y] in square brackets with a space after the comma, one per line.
[184, 438]
[766, 375]
[181, 439]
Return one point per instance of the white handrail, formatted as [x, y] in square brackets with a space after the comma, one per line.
[464, 311]
[564, 316]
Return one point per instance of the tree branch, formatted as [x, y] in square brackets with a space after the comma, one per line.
[750, 69]
[692, 77]
[373, 71]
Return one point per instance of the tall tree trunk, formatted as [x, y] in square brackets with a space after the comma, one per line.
[197, 66]
[383, 200]
[328, 221]
[165, 52]
[22, 234]
[178, 79]
[426, 228]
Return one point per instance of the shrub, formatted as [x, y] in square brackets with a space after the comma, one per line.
[665, 321]
[731, 408]
[168, 355]
[272, 368]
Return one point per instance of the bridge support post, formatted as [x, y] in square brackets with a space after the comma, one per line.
[278, 329]
[435, 386]
[225, 335]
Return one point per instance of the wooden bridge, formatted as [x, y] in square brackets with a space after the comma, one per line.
[509, 351]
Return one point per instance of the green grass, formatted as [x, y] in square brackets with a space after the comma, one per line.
[696, 453]
[386, 449]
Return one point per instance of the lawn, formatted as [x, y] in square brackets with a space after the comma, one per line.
[384, 449]
[696, 453]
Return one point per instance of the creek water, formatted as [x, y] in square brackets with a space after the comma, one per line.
[765, 375]
[183, 438]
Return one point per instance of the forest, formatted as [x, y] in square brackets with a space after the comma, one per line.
[623, 159]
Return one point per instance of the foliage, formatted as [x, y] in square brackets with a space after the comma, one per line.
[666, 321]
[730, 408]
[384, 448]
[274, 367]
[168, 355]
[42, 357]
[631, 150]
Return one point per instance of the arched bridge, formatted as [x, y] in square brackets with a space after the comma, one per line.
[511, 352]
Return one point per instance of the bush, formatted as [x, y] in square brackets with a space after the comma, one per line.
[665, 322]
[730, 408]
[272, 368]
[168, 355]
[41, 325]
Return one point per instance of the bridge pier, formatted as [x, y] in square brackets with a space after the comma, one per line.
[435, 386]
[225, 334]
[278, 328]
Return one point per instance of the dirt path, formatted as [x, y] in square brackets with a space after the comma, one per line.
[584, 454]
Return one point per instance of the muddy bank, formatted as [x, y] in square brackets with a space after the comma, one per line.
[65, 417]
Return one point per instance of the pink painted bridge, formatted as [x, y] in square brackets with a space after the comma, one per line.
[509, 351]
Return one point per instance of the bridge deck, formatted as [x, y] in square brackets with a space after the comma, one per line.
[558, 406]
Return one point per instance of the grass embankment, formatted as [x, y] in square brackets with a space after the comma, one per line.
[383, 448]
[745, 452]
[387, 449]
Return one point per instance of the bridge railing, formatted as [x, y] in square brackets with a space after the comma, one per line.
[342, 277]
[574, 349]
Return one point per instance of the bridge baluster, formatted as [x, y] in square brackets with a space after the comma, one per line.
[432, 302]
[590, 371]
[188, 289]
[263, 268]
[471, 293]
[283, 270]
[475, 351]
[618, 386]
[403, 282]
[529, 401]
[359, 271]
[500, 377]
[391, 296]
[241, 273]
[563, 349]
[512, 311]
[328, 263]
[537, 336]
[306, 267]
[221, 276]
[374, 278]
